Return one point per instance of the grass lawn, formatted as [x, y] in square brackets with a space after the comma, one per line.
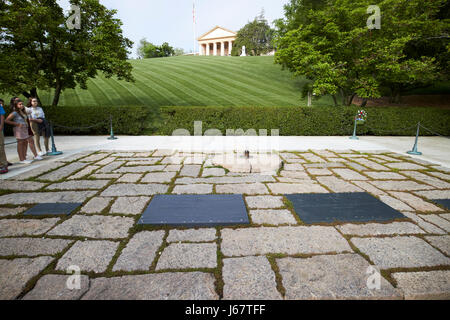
[198, 81]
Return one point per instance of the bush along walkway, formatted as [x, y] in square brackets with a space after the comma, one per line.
[276, 256]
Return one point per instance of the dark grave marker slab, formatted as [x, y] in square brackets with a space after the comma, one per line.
[443, 202]
[341, 207]
[196, 211]
[52, 209]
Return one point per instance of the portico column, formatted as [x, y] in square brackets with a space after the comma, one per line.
[222, 48]
[230, 46]
[207, 49]
[200, 50]
[215, 48]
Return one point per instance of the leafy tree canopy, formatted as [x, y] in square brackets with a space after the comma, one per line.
[332, 46]
[39, 52]
[256, 36]
[148, 50]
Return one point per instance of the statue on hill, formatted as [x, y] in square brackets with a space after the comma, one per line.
[244, 53]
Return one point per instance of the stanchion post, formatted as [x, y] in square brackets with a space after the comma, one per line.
[54, 151]
[414, 151]
[112, 137]
[354, 137]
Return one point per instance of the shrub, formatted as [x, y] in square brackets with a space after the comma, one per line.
[303, 121]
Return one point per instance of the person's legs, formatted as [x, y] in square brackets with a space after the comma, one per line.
[32, 147]
[3, 161]
[46, 143]
[21, 149]
[36, 137]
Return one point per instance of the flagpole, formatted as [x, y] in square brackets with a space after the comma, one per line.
[195, 31]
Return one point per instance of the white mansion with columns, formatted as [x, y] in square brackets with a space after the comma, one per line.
[217, 42]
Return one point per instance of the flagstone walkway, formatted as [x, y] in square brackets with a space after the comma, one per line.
[276, 257]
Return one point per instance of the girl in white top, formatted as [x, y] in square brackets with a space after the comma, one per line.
[35, 112]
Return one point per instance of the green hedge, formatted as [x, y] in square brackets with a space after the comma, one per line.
[304, 121]
[292, 121]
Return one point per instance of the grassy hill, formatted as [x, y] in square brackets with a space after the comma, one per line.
[194, 81]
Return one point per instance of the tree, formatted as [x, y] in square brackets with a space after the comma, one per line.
[178, 52]
[333, 47]
[148, 50]
[256, 36]
[39, 51]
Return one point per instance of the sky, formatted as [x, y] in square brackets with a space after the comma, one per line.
[172, 20]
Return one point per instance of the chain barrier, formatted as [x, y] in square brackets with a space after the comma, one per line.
[433, 132]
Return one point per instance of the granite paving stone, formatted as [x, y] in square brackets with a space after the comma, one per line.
[102, 176]
[330, 277]
[159, 177]
[86, 171]
[130, 178]
[395, 203]
[140, 169]
[54, 287]
[249, 278]
[130, 205]
[210, 172]
[21, 227]
[440, 242]
[63, 172]
[21, 185]
[396, 185]
[291, 188]
[446, 216]
[95, 157]
[434, 194]
[416, 202]
[385, 175]
[193, 189]
[293, 167]
[96, 205]
[272, 217]
[301, 175]
[192, 235]
[440, 175]
[110, 167]
[319, 172]
[400, 252]
[32, 247]
[348, 174]
[375, 229]
[338, 185]
[188, 256]
[89, 256]
[105, 161]
[38, 170]
[15, 274]
[371, 164]
[5, 212]
[288, 240]
[46, 197]
[265, 202]
[428, 227]
[100, 227]
[163, 286]
[245, 188]
[369, 188]
[405, 166]
[79, 185]
[173, 168]
[424, 285]
[435, 219]
[435, 182]
[140, 251]
[190, 170]
[128, 189]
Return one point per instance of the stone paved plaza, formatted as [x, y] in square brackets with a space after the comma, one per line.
[277, 256]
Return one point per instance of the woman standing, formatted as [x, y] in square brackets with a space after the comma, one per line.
[19, 119]
[37, 117]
